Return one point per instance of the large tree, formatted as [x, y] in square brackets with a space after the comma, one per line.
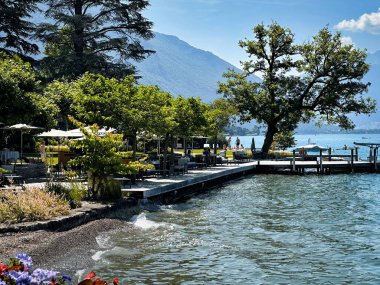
[15, 28]
[219, 115]
[319, 79]
[190, 116]
[88, 35]
[21, 101]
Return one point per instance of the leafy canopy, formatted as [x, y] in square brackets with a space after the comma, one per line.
[20, 98]
[319, 79]
[95, 36]
[15, 29]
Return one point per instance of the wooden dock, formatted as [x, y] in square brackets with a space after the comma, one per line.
[196, 180]
[192, 181]
[324, 167]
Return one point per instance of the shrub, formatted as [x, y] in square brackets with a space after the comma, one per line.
[56, 148]
[73, 192]
[111, 190]
[30, 205]
[2, 170]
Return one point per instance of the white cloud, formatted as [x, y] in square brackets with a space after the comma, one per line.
[366, 22]
[347, 41]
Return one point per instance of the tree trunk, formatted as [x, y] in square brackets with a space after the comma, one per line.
[272, 130]
[165, 152]
[172, 150]
[134, 147]
[78, 40]
[215, 144]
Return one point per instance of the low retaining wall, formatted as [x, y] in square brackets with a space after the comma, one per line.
[77, 217]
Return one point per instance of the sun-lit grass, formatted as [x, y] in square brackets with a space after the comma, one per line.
[33, 204]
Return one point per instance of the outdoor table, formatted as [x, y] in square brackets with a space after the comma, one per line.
[13, 179]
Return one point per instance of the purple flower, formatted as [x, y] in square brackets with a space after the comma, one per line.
[39, 275]
[25, 259]
[21, 277]
[65, 278]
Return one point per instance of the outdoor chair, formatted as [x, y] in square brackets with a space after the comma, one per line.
[181, 166]
[240, 155]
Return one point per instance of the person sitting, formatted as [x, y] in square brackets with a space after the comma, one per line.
[206, 155]
[303, 151]
[190, 156]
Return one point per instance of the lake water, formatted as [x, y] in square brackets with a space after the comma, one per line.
[263, 229]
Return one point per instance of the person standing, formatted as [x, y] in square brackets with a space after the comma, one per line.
[237, 142]
[229, 142]
[43, 151]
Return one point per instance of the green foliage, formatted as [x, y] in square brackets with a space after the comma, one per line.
[15, 29]
[88, 35]
[56, 148]
[111, 190]
[60, 93]
[100, 159]
[134, 167]
[190, 115]
[129, 154]
[20, 101]
[73, 192]
[220, 140]
[284, 140]
[328, 86]
[30, 205]
[2, 170]
[155, 109]
[219, 115]
[101, 100]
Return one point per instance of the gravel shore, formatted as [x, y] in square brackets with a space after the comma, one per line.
[66, 251]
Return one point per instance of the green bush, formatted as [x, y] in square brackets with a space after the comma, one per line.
[73, 193]
[111, 190]
[30, 205]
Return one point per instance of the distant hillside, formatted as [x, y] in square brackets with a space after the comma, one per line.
[182, 69]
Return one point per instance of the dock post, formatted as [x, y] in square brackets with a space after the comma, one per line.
[356, 154]
[320, 161]
[375, 157]
[370, 154]
[294, 161]
[352, 160]
[329, 153]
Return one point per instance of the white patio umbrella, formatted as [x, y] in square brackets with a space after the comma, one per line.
[53, 133]
[22, 128]
[77, 133]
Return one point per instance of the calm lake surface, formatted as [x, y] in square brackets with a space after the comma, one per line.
[263, 229]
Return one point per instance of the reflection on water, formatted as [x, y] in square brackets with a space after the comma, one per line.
[266, 229]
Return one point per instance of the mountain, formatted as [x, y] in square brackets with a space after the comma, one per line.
[182, 69]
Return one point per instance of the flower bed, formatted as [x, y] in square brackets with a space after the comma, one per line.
[19, 271]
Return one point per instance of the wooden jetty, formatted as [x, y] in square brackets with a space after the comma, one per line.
[173, 187]
[196, 180]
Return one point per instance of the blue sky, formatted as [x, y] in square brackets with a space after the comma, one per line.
[218, 25]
